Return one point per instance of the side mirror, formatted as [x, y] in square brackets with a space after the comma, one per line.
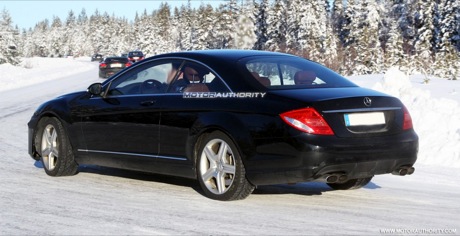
[95, 89]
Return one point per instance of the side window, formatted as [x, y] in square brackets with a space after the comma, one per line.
[194, 77]
[151, 78]
[265, 71]
[284, 74]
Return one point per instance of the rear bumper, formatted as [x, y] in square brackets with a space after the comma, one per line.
[105, 73]
[306, 158]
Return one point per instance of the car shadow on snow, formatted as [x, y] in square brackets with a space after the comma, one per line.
[306, 188]
[142, 176]
[135, 175]
[371, 185]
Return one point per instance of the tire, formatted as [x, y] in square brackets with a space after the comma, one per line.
[350, 184]
[54, 148]
[220, 170]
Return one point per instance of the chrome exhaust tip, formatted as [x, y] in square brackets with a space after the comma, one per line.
[402, 171]
[336, 178]
[332, 178]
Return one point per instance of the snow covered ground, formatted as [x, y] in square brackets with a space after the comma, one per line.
[113, 202]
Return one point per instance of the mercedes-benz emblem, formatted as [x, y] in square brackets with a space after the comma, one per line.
[367, 102]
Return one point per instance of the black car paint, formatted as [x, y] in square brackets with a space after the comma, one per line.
[108, 70]
[162, 134]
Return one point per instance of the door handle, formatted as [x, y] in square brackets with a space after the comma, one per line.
[147, 103]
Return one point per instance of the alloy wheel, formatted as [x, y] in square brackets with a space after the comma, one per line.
[50, 147]
[217, 166]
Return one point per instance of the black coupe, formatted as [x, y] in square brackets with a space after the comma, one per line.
[232, 119]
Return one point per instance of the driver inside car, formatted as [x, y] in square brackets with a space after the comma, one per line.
[188, 75]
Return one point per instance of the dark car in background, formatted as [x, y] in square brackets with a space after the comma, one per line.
[230, 119]
[135, 56]
[97, 57]
[111, 65]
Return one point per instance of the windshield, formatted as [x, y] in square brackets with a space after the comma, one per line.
[294, 73]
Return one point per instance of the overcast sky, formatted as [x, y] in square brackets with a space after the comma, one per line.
[25, 14]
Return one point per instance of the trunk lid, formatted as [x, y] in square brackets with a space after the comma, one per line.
[353, 111]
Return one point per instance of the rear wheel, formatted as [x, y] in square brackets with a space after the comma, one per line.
[54, 148]
[220, 170]
[350, 184]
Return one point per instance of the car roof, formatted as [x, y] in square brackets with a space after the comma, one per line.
[224, 54]
[223, 61]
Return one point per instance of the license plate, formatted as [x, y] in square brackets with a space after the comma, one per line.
[115, 65]
[369, 118]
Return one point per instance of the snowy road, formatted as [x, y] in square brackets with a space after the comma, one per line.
[99, 201]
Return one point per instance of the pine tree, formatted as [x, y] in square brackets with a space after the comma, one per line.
[55, 37]
[330, 44]
[351, 31]
[339, 21]
[147, 35]
[206, 36]
[446, 57]
[244, 36]
[225, 25]
[8, 36]
[394, 51]
[456, 24]
[162, 20]
[261, 23]
[424, 44]
[338, 24]
[83, 46]
[277, 27]
[39, 45]
[353, 37]
[368, 43]
[293, 21]
[96, 29]
[313, 30]
[187, 27]
[68, 37]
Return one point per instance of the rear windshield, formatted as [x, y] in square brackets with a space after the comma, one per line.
[116, 59]
[134, 54]
[292, 73]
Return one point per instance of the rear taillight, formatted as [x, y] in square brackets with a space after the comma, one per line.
[128, 64]
[407, 124]
[307, 120]
[102, 65]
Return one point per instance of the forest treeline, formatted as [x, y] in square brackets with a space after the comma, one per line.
[352, 37]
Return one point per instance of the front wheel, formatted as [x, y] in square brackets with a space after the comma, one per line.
[351, 184]
[54, 148]
[220, 170]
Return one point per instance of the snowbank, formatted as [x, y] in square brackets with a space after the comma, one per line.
[38, 69]
[436, 118]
